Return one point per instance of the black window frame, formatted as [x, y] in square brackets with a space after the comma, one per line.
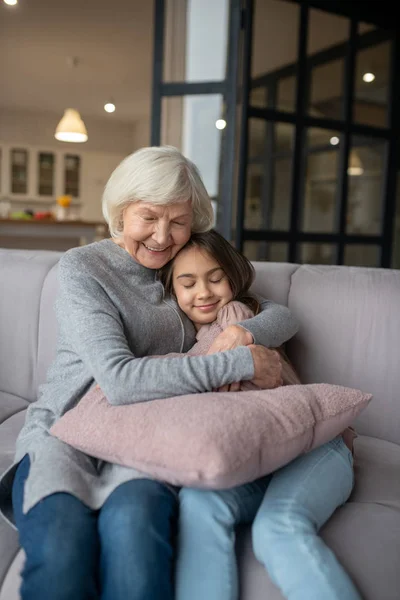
[301, 121]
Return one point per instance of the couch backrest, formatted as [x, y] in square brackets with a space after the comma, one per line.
[27, 321]
[349, 332]
[349, 328]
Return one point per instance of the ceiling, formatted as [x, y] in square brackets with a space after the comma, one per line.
[112, 39]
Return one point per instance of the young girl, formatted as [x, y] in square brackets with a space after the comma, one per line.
[211, 282]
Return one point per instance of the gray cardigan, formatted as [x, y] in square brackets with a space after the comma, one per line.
[112, 315]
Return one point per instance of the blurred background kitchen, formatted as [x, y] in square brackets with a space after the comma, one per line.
[94, 57]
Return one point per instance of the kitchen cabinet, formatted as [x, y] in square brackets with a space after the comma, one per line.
[36, 173]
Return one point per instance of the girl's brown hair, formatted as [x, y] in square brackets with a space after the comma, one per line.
[238, 269]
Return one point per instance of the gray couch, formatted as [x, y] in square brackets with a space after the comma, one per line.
[350, 335]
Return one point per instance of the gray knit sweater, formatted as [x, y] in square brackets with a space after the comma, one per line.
[112, 315]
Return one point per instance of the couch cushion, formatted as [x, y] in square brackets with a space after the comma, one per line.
[22, 275]
[364, 534]
[10, 404]
[349, 323]
[8, 552]
[9, 431]
[12, 582]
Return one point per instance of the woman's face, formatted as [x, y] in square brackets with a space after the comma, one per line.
[153, 234]
[200, 285]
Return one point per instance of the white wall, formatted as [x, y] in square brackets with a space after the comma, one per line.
[98, 167]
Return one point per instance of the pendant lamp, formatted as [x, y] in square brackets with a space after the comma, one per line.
[355, 165]
[71, 128]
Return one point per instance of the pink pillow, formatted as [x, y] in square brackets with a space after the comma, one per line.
[211, 440]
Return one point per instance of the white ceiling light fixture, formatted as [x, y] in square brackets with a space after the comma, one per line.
[11, 2]
[368, 77]
[334, 140]
[71, 128]
[220, 123]
[109, 107]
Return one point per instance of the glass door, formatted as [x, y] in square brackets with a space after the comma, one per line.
[196, 53]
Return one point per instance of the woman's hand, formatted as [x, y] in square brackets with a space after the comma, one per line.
[267, 367]
[232, 337]
[267, 370]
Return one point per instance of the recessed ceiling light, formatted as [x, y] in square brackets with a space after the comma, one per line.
[368, 77]
[334, 140]
[109, 107]
[220, 124]
[11, 2]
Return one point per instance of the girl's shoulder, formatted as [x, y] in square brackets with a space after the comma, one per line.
[233, 313]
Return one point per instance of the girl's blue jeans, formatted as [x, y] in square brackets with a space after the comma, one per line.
[288, 508]
[121, 552]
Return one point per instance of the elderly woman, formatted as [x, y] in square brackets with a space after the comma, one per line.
[97, 530]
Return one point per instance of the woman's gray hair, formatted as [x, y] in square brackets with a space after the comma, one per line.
[158, 175]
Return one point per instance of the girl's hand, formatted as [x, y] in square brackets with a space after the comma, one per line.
[232, 337]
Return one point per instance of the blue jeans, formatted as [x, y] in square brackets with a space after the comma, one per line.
[289, 507]
[121, 552]
[206, 567]
[299, 500]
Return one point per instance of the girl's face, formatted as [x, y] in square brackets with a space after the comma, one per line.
[200, 285]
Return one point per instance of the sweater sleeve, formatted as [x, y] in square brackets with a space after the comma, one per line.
[93, 328]
[273, 326]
